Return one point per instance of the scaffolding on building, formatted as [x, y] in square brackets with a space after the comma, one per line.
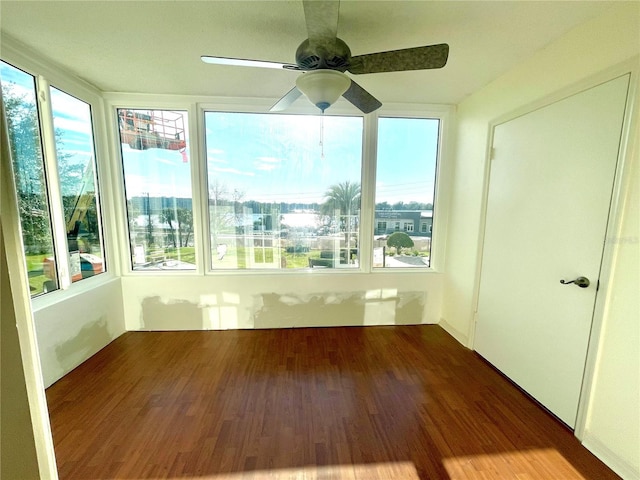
[144, 129]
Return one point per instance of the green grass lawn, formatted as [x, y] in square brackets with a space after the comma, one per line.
[34, 270]
[184, 254]
[236, 258]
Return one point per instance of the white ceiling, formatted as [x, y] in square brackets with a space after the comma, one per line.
[155, 46]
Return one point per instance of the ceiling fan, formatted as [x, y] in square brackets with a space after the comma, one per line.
[324, 58]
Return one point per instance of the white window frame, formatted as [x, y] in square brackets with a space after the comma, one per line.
[443, 175]
[196, 108]
[114, 102]
[47, 75]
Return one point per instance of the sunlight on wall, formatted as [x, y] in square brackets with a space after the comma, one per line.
[403, 470]
[510, 464]
[380, 306]
[220, 312]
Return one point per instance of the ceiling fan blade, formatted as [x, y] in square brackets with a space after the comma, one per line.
[417, 58]
[321, 17]
[241, 62]
[362, 99]
[286, 101]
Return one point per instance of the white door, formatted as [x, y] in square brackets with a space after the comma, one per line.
[549, 193]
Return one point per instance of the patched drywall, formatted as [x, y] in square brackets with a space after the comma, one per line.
[358, 308]
[158, 314]
[92, 337]
[281, 301]
[77, 326]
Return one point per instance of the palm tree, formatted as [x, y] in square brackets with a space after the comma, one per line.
[345, 198]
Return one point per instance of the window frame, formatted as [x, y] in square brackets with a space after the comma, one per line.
[303, 110]
[126, 264]
[113, 103]
[46, 76]
[443, 184]
[196, 107]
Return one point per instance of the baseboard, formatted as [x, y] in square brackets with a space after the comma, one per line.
[459, 336]
[610, 458]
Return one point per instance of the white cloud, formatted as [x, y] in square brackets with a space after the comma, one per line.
[233, 171]
[265, 167]
[270, 159]
[216, 160]
[80, 126]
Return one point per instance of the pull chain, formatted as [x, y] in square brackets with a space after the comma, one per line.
[322, 137]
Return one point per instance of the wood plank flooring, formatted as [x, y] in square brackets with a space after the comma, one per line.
[404, 402]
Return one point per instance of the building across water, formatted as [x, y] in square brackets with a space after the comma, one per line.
[415, 223]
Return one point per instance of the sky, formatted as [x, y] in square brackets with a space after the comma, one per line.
[266, 157]
[294, 158]
[71, 118]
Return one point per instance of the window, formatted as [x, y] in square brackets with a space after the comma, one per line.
[284, 190]
[405, 176]
[56, 231]
[157, 177]
[75, 160]
[19, 96]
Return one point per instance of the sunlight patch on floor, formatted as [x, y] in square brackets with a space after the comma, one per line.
[381, 471]
[526, 463]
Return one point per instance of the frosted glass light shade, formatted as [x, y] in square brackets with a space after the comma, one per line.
[323, 87]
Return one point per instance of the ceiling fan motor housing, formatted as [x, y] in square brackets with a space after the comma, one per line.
[333, 54]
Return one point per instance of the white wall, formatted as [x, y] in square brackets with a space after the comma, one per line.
[612, 427]
[587, 50]
[72, 328]
[285, 300]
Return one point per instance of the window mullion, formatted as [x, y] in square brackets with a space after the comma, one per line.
[53, 182]
[367, 202]
[200, 190]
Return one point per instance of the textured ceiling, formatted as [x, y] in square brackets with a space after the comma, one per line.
[155, 46]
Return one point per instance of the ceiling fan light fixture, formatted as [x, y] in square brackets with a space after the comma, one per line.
[323, 87]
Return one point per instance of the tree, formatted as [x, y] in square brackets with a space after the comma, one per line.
[24, 134]
[185, 225]
[29, 176]
[343, 198]
[399, 240]
[221, 215]
[168, 216]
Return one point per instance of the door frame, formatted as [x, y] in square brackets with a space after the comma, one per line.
[621, 185]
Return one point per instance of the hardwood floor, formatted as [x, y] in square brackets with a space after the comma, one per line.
[405, 402]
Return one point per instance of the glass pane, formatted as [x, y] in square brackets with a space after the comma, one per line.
[405, 186]
[76, 172]
[157, 177]
[284, 190]
[19, 95]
